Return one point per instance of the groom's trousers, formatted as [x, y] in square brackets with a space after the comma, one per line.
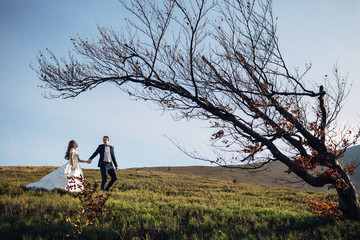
[106, 169]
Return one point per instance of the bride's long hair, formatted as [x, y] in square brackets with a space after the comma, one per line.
[70, 146]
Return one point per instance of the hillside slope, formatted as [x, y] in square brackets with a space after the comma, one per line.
[272, 175]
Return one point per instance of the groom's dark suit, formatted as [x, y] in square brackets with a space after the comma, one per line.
[106, 167]
[101, 150]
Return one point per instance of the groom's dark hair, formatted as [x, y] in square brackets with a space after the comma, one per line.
[106, 137]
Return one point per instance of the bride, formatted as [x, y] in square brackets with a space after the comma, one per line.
[68, 177]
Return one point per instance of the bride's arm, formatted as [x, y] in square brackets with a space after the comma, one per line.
[87, 161]
[72, 160]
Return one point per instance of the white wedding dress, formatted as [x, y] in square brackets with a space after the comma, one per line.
[63, 177]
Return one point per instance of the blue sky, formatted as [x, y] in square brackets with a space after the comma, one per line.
[34, 131]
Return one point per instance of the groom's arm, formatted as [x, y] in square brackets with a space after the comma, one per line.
[97, 151]
[113, 157]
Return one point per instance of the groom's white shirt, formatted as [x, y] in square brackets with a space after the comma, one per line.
[107, 156]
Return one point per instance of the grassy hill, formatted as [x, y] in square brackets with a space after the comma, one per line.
[273, 175]
[164, 205]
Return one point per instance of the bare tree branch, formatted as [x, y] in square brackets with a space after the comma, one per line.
[220, 61]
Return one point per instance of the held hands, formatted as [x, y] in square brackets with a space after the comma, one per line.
[89, 161]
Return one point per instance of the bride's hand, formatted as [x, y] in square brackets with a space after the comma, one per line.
[72, 168]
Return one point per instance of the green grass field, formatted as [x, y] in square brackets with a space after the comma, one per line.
[160, 205]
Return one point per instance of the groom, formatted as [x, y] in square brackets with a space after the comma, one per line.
[106, 161]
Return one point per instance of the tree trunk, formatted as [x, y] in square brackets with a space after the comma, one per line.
[349, 202]
[347, 197]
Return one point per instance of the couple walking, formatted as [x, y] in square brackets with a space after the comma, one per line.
[70, 176]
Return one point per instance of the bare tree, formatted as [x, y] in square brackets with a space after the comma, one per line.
[220, 62]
